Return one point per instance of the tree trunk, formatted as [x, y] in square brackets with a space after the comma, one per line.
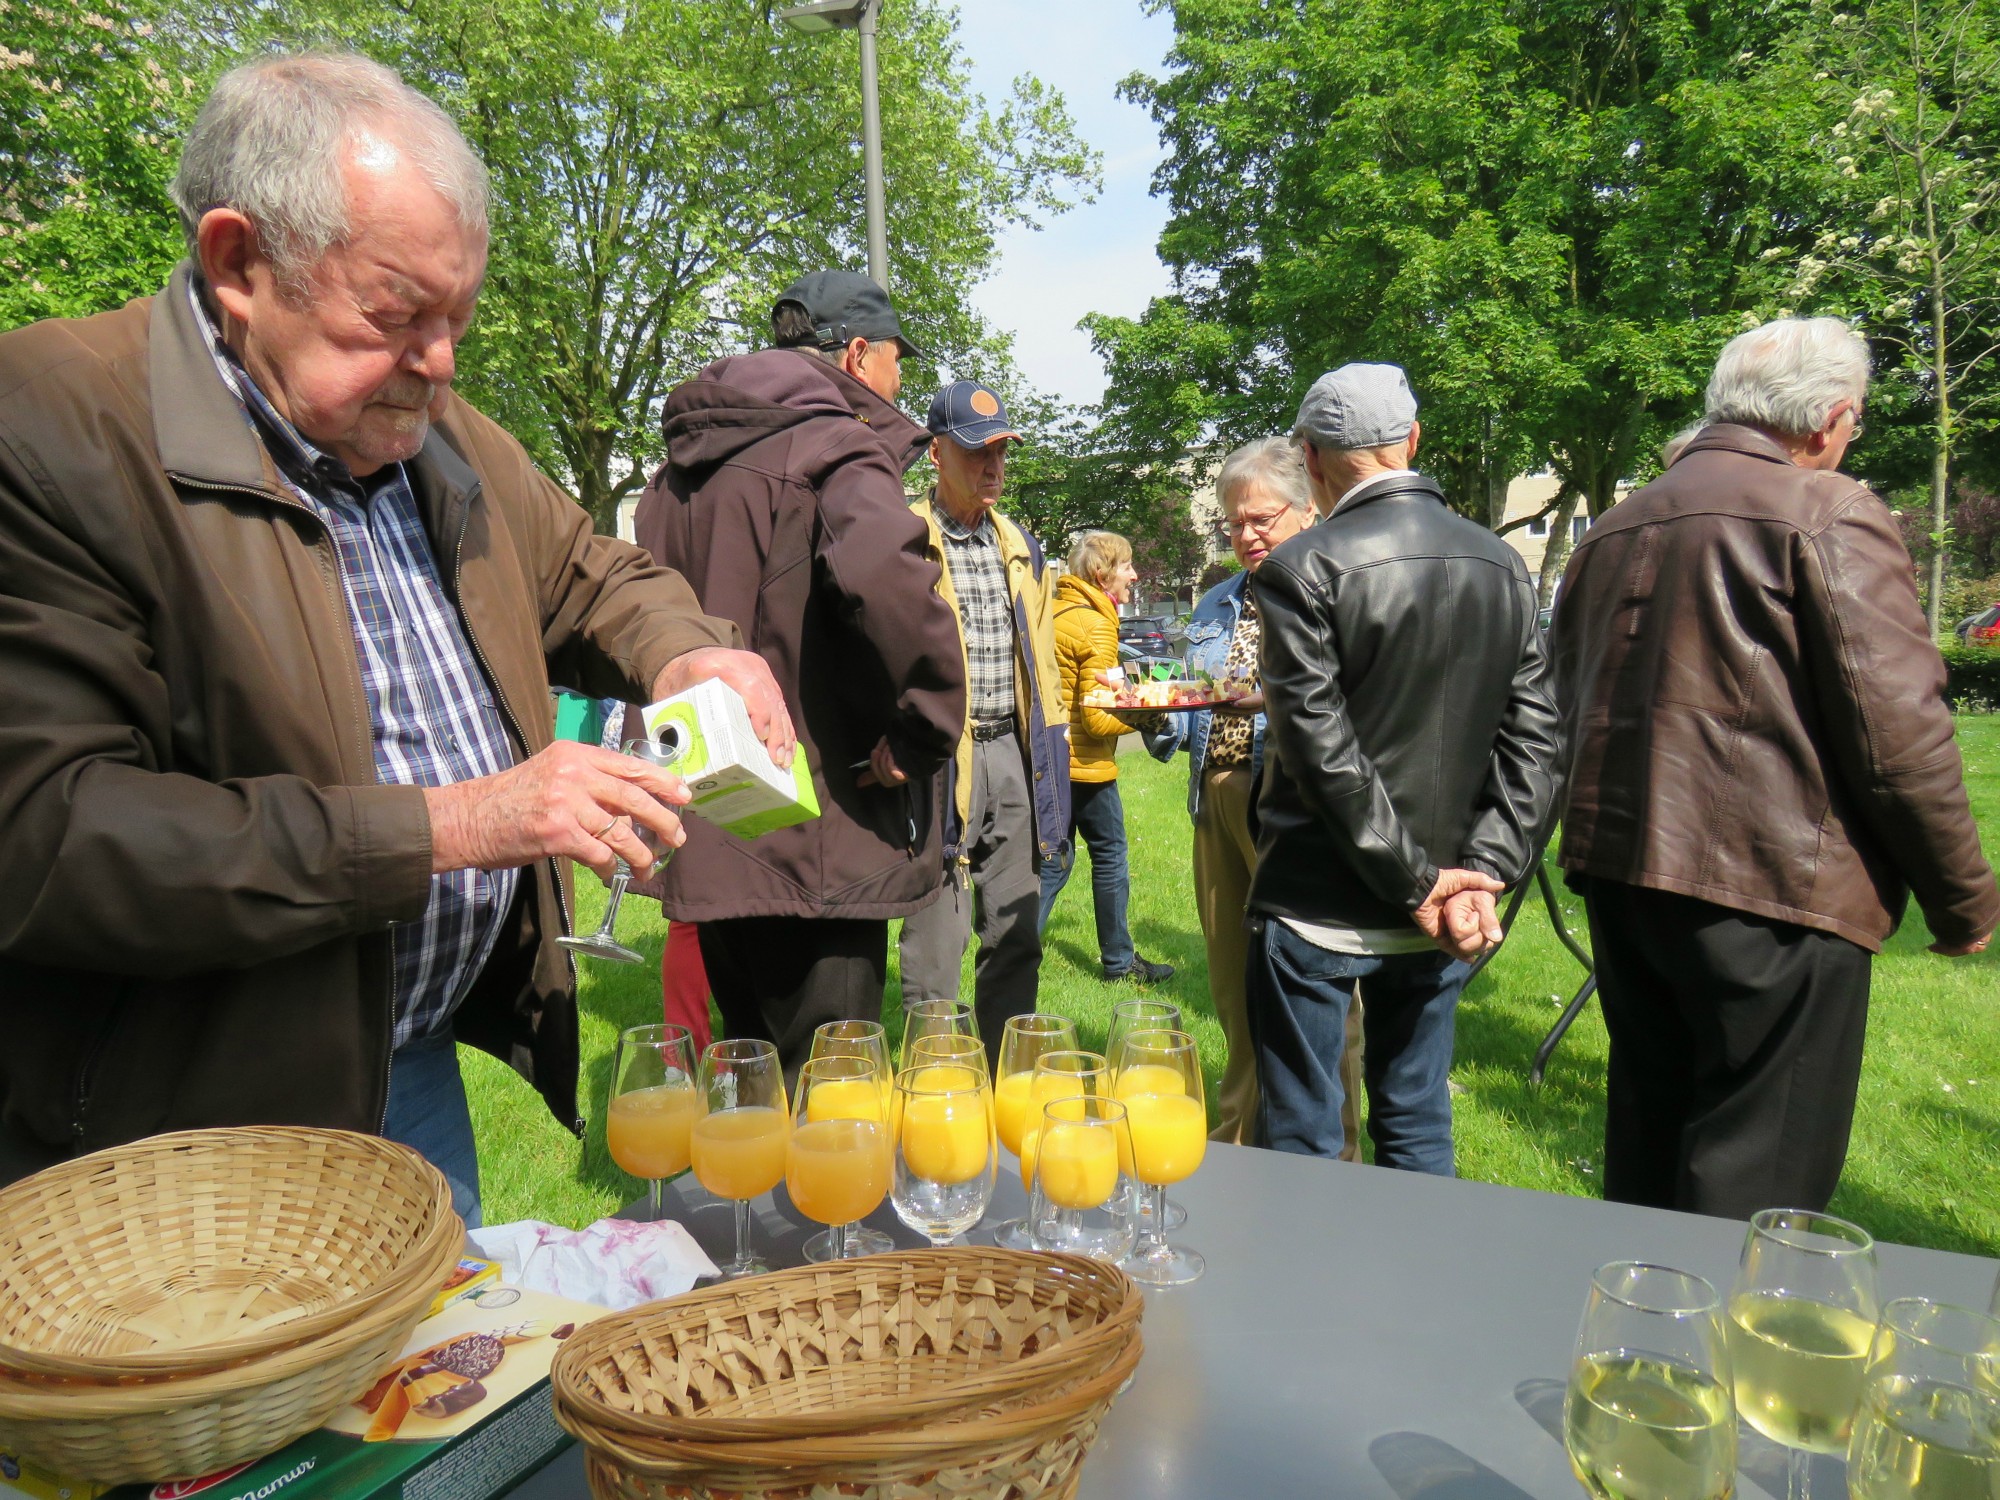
[1556, 555]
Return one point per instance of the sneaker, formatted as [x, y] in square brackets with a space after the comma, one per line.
[1143, 971]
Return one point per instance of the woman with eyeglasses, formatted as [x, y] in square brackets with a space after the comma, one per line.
[1265, 501]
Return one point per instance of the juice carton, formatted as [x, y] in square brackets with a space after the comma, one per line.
[736, 784]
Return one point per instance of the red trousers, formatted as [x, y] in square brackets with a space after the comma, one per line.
[684, 983]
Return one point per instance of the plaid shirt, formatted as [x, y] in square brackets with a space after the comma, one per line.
[433, 715]
[979, 578]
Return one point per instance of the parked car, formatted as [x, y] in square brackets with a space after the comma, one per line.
[1149, 633]
[1981, 628]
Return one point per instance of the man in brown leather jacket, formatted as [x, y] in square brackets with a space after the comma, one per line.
[279, 813]
[1762, 771]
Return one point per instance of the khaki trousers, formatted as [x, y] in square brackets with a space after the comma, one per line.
[1224, 857]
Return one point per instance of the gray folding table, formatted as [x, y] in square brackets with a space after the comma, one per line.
[1362, 1332]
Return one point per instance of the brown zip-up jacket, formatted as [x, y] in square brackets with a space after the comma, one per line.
[1754, 703]
[198, 871]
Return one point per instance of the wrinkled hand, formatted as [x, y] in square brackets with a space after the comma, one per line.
[882, 768]
[1962, 950]
[750, 675]
[1469, 923]
[1251, 704]
[569, 801]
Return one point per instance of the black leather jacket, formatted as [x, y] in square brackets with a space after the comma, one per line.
[1411, 722]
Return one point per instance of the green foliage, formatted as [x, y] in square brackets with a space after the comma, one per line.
[662, 168]
[86, 108]
[1972, 677]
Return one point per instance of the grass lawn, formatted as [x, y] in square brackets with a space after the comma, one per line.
[1924, 1168]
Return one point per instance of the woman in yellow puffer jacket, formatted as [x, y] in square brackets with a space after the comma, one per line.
[1100, 578]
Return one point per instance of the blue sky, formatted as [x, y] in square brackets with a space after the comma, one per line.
[1099, 256]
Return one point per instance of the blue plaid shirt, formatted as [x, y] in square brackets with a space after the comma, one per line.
[434, 717]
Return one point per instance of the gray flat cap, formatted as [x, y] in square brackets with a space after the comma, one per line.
[1358, 406]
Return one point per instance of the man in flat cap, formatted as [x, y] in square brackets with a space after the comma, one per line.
[782, 503]
[1409, 767]
[1006, 789]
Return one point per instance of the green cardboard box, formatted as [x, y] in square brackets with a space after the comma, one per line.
[736, 784]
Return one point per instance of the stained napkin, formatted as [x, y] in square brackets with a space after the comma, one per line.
[614, 1263]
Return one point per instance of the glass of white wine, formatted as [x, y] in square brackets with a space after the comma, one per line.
[1648, 1414]
[1801, 1318]
[1928, 1426]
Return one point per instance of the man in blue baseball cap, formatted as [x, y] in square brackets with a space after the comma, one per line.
[1006, 790]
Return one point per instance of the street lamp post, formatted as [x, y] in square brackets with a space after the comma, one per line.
[858, 15]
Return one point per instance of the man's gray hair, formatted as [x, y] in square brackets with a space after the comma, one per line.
[1276, 462]
[1788, 375]
[272, 137]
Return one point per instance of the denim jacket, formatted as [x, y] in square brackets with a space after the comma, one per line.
[1210, 629]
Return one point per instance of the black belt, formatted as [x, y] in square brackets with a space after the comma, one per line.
[991, 729]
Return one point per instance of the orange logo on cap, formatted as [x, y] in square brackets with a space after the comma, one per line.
[986, 403]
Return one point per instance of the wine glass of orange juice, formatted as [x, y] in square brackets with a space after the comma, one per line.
[1158, 1079]
[1128, 1016]
[926, 1018]
[1059, 1075]
[944, 1162]
[837, 1162]
[1022, 1044]
[861, 1039]
[1084, 1199]
[738, 1142]
[653, 1105]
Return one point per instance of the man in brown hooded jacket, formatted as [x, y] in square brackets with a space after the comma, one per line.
[782, 503]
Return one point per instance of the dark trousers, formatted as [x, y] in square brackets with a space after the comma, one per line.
[778, 978]
[1098, 814]
[1735, 1052]
[1298, 994]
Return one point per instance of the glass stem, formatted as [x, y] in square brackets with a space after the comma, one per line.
[1799, 1474]
[618, 883]
[836, 1236]
[655, 1202]
[742, 1231]
[1153, 1241]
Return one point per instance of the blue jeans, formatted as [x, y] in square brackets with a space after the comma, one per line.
[1099, 815]
[428, 1113]
[1298, 996]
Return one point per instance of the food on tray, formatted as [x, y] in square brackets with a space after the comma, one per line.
[1163, 693]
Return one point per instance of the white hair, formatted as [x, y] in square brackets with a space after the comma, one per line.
[1788, 375]
[272, 138]
[1674, 446]
[1276, 462]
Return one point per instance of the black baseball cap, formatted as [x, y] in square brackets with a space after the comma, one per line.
[970, 414]
[845, 305]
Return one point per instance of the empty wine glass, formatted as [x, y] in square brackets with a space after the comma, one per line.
[861, 1039]
[1023, 1043]
[1649, 1411]
[1084, 1201]
[1159, 1084]
[944, 1162]
[601, 944]
[934, 1018]
[837, 1161]
[1928, 1425]
[739, 1140]
[1802, 1316]
[653, 1105]
[1128, 1016]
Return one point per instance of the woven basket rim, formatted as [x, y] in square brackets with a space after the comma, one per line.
[369, 1153]
[696, 1313]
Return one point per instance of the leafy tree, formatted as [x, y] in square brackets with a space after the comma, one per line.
[1911, 164]
[662, 168]
[1551, 216]
[88, 108]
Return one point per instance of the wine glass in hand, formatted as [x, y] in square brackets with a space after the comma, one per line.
[1648, 1414]
[738, 1143]
[653, 1105]
[1802, 1315]
[601, 944]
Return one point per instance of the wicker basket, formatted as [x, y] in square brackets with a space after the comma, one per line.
[198, 1250]
[948, 1372]
[152, 1426]
[1029, 1449]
